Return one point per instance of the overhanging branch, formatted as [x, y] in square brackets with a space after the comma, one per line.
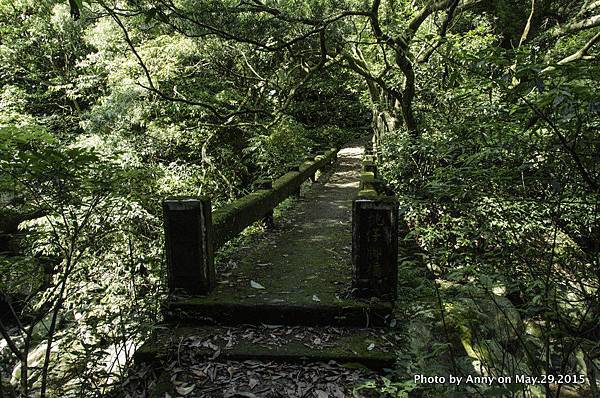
[580, 54]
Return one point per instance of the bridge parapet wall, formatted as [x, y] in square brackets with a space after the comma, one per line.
[194, 232]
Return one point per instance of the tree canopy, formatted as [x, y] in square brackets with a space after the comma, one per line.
[484, 113]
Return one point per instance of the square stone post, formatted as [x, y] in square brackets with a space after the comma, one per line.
[310, 159]
[188, 244]
[266, 184]
[375, 247]
[296, 168]
[370, 167]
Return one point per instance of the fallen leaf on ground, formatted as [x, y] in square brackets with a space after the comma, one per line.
[185, 390]
[246, 394]
[252, 383]
[198, 373]
[216, 354]
[231, 371]
[321, 394]
[256, 285]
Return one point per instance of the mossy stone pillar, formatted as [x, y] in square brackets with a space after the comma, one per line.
[295, 168]
[310, 159]
[370, 167]
[266, 184]
[188, 244]
[375, 246]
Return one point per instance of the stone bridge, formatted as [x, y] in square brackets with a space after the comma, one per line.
[331, 262]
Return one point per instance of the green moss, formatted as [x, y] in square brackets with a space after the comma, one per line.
[351, 346]
[367, 175]
[368, 194]
[308, 264]
[234, 217]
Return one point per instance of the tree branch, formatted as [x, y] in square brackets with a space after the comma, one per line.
[151, 87]
[11, 344]
[528, 25]
[562, 139]
[422, 15]
[580, 54]
[450, 12]
[311, 71]
[573, 27]
[362, 69]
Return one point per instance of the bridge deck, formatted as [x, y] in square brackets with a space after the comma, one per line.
[304, 265]
[301, 271]
[307, 257]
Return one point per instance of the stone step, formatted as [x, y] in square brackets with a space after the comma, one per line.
[207, 310]
[373, 348]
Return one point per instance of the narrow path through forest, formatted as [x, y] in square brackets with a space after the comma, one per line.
[307, 257]
[282, 317]
[300, 272]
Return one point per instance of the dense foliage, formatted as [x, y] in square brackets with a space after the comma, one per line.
[485, 115]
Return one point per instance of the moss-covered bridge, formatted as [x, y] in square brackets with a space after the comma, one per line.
[329, 263]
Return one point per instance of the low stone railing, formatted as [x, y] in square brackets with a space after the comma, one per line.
[374, 235]
[193, 232]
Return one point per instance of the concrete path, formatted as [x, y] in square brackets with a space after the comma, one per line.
[307, 257]
[299, 273]
[286, 296]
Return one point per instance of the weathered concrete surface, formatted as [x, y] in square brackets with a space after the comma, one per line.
[188, 244]
[373, 348]
[233, 218]
[304, 265]
[375, 236]
[375, 247]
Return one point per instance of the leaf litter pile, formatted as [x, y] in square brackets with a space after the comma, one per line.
[277, 336]
[190, 374]
[251, 379]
